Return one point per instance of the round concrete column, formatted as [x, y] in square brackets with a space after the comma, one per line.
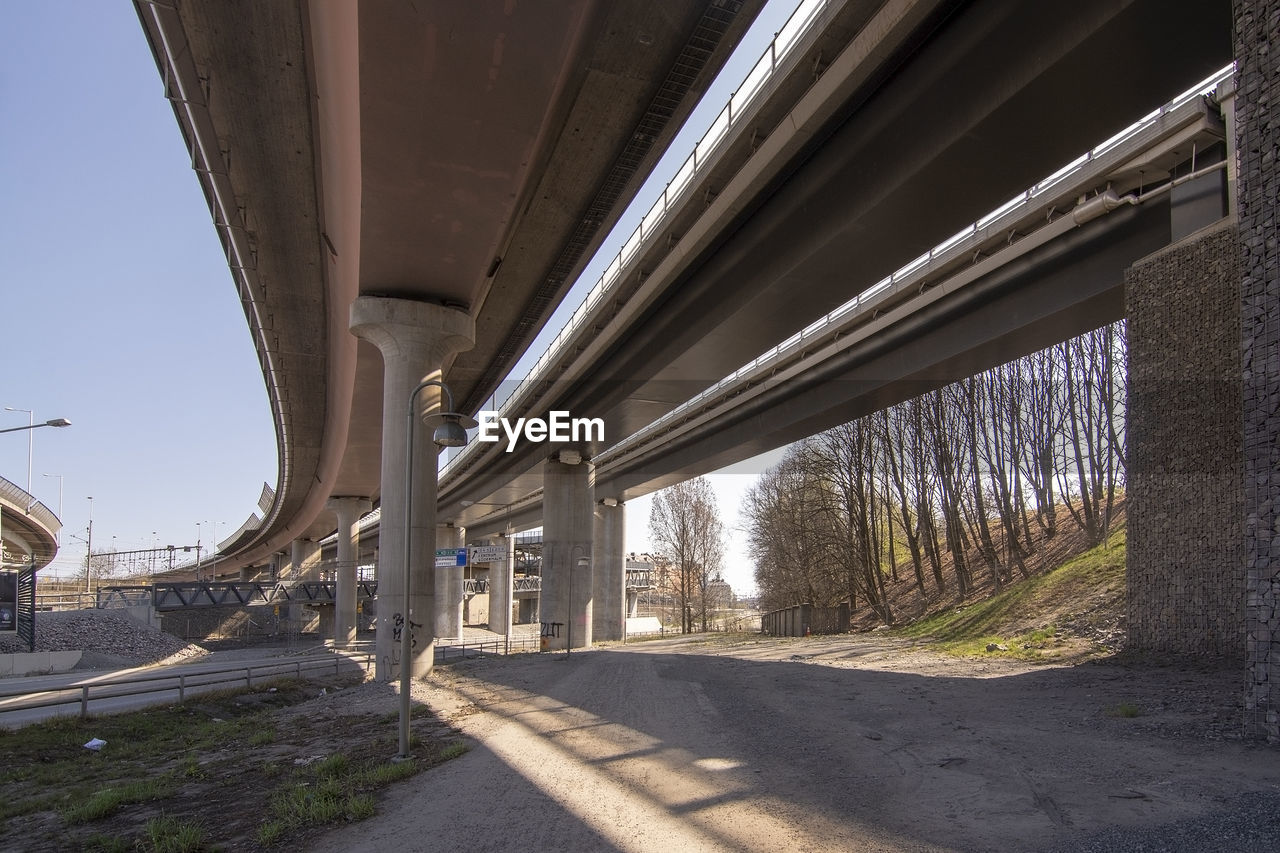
[415, 338]
[304, 560]
[348, 511]
[609, 571]
[304, 564]
[567, 520]
[449, 584]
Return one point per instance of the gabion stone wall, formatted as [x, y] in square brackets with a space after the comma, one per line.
[1257, 51]
[1185, 558]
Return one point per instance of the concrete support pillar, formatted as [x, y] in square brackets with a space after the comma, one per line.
[246, 574]
[501, 576]
[1257, 120]
[567, 521]
[1184, 572]
[415, 339]
[325, 618]
[609, 565]
[348, 510]
[284, 566]
[305, 560]
[448, 584]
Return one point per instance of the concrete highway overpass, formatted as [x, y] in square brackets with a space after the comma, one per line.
[898, 126]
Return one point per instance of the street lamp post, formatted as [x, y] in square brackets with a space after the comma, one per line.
[214, 547]
[88, 556]
[59, 476]
[31, 425]
[53, 422]
[450, 432]
[30, 428]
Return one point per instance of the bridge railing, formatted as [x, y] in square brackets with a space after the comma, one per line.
[770, 62]
[527, 584]
[175, 596]
[50, 601]
[111, 597]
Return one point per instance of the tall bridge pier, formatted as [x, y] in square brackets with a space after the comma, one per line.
[1204, 408]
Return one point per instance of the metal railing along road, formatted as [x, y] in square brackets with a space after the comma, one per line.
[174, 596]
[163, 684]
[48, 601]
[451, 648]
[18, 496]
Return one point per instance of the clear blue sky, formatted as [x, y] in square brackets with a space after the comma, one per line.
[120, 313]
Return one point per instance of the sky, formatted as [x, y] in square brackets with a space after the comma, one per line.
[120, 312]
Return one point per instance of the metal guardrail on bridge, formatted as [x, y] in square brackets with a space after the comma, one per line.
[163, 683]
[532, 583]
[176, 596]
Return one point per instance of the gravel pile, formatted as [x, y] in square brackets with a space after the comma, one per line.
[108, 639]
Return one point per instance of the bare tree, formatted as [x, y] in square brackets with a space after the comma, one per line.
[782, 510]
[685, 526]
[960, 470]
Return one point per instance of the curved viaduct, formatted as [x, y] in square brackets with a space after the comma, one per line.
[431, 177]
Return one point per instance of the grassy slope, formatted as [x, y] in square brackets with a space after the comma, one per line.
[1059, 614]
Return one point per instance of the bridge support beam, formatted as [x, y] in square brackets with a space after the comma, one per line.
[609, 570]
[415, 339]
[348, 510]
[449, 583]
[567, 521]
[1257, 50]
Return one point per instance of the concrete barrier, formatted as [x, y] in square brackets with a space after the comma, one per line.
[37, 663]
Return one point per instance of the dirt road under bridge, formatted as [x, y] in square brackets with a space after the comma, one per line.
[849, 743]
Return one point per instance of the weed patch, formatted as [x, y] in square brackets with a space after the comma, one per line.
[230, 769]
[1026, 620]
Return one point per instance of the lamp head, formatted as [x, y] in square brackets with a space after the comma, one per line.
[58, 422]
[450, 432]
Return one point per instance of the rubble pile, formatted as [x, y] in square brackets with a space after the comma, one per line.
[103, 633]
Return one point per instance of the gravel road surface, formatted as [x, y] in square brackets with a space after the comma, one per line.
[843, 743]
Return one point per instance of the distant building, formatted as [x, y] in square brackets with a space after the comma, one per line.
[720, 595]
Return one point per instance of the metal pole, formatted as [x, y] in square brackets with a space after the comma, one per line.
[88, 557]
[31, 428]
[405, 647]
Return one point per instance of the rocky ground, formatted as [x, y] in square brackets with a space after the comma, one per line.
[108, 639]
